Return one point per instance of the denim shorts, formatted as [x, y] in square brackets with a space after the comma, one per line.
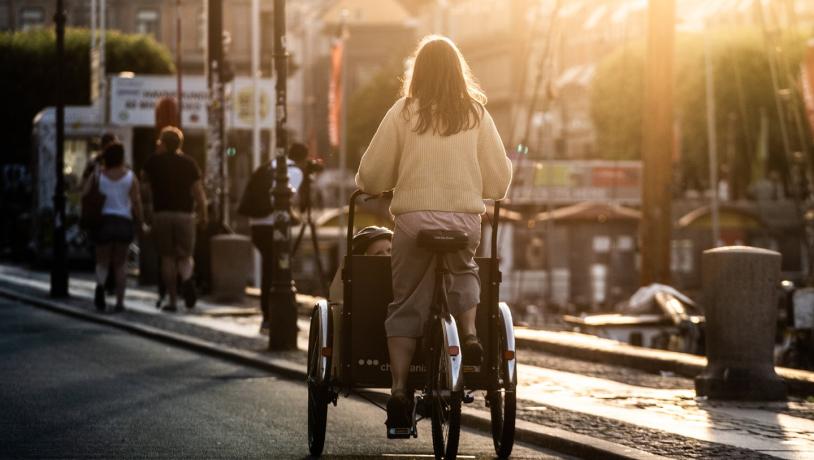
[114, 229]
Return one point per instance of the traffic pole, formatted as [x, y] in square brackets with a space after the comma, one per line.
[59, 266]
[283, 307]
[712, 136]
[657, 144]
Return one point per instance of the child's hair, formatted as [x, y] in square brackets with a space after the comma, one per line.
[439, 79]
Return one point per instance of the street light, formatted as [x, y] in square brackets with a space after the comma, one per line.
[283, 327]
[59, 268]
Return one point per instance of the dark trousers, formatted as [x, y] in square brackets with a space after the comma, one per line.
[263, 240]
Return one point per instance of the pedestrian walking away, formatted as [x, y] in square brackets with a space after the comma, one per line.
[176, 191]
[121, 214]
[97, 162]
[439, 151]
[256, 205]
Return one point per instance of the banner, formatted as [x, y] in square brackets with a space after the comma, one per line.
[563, 182]
[133, 101]
[808, 84]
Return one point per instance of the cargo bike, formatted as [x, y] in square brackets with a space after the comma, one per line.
[347, 348]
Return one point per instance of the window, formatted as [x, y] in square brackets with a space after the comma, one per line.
[147, 23]
[599, 283]
[201, 31]
[31, 18]
[682, 258]
[601, 244]
[624, 243]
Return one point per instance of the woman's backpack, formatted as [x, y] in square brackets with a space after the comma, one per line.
[256, 199]
[92, 203]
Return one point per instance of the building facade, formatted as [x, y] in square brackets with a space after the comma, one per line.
[159, 19]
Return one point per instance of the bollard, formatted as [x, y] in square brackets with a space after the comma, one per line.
[231, 262]
[740, 289]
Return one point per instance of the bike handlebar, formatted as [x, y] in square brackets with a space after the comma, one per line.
[389, 194]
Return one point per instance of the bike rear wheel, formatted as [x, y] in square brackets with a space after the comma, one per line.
[503, 400]
[445, 403]
[503, 408]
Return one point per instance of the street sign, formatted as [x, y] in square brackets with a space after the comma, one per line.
[94, 75]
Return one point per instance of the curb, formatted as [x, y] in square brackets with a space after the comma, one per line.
[561, 441]
[550, 438]
[596, 349]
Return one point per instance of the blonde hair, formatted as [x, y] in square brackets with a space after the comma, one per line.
[440, 81]
[172, 138]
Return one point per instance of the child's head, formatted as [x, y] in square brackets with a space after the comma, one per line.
[372, 241]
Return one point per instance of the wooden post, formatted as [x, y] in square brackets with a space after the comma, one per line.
[657, 144]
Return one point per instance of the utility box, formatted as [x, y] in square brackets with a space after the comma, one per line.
[231, 265]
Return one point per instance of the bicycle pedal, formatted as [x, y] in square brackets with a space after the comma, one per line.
[468, 398]
[401, 433]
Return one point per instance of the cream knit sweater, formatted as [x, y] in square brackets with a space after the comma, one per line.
[430, 172]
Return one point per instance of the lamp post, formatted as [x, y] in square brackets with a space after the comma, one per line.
[216, 135]
[283, 327]
[59, 268]
[178, 73]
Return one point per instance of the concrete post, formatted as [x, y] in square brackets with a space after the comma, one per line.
[740, 301]
[230, 266]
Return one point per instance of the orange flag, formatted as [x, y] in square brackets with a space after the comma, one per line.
[335, 92]
[808, 83]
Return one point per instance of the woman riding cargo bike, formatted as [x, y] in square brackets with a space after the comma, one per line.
[438, 150]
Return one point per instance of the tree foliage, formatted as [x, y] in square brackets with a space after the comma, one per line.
[366, 109]
[743, 91]
[28, 67]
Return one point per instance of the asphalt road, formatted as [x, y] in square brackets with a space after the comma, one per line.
[73, 389]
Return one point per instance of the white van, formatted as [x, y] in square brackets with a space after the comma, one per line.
[82, 133]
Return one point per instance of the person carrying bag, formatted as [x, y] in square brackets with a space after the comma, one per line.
[93, 200]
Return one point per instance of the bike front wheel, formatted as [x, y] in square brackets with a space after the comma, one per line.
[318, 393]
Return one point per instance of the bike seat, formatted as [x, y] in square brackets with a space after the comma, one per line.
[443, 240]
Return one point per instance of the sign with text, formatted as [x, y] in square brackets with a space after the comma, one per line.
[568, 182]
[133, 100]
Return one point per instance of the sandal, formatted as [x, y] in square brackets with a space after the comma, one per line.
[399, 415]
